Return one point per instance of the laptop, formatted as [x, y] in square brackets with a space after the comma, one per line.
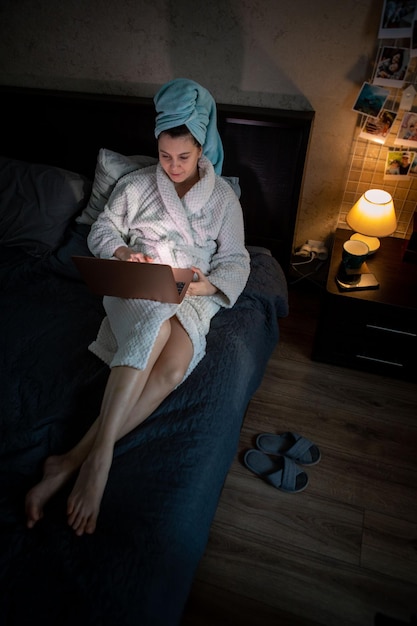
[125, 279]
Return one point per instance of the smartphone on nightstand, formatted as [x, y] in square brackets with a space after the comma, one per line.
[356, 282]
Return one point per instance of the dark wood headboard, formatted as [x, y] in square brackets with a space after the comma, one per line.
[265, 148]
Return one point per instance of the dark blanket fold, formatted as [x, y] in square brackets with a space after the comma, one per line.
[167, 475]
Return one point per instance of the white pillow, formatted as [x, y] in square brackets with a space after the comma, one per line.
[109, 168]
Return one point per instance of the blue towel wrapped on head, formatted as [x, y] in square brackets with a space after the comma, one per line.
[183, 101]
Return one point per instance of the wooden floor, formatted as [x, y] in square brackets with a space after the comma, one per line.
[343, 550]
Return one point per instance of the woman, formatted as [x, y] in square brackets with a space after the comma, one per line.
[178, 212]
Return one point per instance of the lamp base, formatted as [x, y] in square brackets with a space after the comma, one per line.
[373, 243]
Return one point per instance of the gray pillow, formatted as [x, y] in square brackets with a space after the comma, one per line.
[37, 203]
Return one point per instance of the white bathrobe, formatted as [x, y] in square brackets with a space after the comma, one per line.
[203, 229]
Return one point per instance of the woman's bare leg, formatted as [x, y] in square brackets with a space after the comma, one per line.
[167, 373]
[168, 369]
[95, 450]
[58, 469]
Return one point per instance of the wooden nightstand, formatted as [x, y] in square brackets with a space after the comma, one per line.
[373, 330]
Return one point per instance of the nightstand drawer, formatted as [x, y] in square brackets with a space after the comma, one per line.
[380, 349]
[393, 344]
[377, 344]
[367, 335]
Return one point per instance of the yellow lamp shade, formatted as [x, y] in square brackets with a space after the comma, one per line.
[373, 214]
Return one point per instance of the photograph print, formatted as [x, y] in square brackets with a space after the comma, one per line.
[413, 45]
[398, 164]
[378, 128]
[371, 100]
[407, 133]
[397, 19]
[392, 66]
[413, 168]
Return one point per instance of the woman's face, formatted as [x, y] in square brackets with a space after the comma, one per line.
[178, 157]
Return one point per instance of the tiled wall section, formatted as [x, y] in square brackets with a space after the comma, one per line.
[368, 163]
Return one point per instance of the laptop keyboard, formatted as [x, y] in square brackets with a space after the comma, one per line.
[180, 287]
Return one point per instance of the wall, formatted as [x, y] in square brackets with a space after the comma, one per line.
[293, 54]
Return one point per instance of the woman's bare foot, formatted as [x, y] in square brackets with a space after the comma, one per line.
[57, 470]
[85, 499]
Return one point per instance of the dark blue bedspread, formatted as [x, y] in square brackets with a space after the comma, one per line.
[167, 475]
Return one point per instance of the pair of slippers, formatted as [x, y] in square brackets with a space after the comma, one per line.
[280, 469]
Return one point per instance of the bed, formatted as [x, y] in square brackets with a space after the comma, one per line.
[61, 153]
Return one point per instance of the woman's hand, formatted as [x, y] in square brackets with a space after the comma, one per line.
[127, 254]
[201, 286]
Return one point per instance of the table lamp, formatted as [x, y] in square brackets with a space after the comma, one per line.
[372, 216]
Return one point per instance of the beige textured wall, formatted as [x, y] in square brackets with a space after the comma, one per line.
[275, 53]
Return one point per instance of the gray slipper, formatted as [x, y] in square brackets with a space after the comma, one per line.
[281, 473]
[290, 445]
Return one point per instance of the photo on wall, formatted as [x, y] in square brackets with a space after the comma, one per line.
[413, 168]
[407, 133]
[398, 164]
[378, 128]
[391, 67]
[413, 45]
[397, 19]
[371, 99]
